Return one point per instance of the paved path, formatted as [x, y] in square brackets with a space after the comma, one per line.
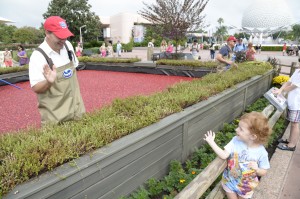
[291, 187]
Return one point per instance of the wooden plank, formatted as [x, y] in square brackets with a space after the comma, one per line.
[217, 193]
[203, 181]
[137, 180]
[121, 176]
[268, 110]
[105, 169]
[197, 131]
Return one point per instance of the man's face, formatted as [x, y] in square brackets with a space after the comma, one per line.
[54, 42]
[231, 43]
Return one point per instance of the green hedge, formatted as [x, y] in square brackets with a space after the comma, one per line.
[191, 63]
[108, 59]
[28, 153]
[12, 69]
[271, 48]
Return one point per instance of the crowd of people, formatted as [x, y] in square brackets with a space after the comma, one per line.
[290, 50]
[167, 48]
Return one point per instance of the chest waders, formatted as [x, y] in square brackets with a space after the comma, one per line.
[62, 101]
[222, 66]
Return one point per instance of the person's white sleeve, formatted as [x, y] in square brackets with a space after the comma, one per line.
[75, 60]
[295, 79]
[229, 147]
[36, 65]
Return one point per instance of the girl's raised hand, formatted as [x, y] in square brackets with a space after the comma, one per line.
[210, 136]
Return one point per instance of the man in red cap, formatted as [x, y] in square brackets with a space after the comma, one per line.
[52, 73]
[225, 54]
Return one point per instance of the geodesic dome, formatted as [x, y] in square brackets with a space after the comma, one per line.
[266, 16]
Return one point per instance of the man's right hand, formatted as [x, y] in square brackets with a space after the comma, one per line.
[50, 75]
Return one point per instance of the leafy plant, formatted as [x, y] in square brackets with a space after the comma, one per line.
[275, 63]
[13, 69]
[240, 56]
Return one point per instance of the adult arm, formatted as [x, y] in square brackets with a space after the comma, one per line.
[50, 76]
[286, 87]
[220, 58]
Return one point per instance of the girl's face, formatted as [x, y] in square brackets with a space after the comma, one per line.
[243, 133]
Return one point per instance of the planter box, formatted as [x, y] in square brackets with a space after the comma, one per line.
[13, 78]
[149, 68]
[124, 165]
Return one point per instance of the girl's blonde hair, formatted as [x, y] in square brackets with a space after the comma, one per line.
[258, 125]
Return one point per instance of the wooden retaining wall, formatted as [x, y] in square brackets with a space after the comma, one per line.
[122, 166]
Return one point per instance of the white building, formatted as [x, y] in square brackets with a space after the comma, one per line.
[120, 27]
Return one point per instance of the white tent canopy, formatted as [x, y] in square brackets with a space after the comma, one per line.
[4, 20]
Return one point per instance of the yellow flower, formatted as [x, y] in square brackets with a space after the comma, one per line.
[280, 79]
[182, 180]
[193, 172]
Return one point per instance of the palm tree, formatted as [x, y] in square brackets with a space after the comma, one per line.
[221, 30]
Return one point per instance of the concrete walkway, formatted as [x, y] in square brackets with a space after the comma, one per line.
[282, 180]
[291, 187]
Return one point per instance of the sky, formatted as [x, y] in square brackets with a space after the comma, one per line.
[29, 13]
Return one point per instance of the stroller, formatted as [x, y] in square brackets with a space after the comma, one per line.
[290, 51]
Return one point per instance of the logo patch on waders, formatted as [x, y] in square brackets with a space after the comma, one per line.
[68, 73]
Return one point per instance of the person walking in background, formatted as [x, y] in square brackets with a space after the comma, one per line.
[240, 46]
[212, 49]
[247, 158]
[103, 50]
[150, 49]
[292, 87]
[195, 50]
[284, 49]
[23, 60]
[52, 75]
[119, 48]
[8, 58]
[169, 48]
[201, 46]
[250, 52]
[163, 46]
[78, 50]
[110, 50]
[259, 48]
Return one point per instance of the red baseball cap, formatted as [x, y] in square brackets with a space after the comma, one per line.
[58, 26]
[231, 38]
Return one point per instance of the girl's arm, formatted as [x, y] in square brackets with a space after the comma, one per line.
[210, 139]
[260, 172]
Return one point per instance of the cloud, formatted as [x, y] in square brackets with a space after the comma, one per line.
[29, 13]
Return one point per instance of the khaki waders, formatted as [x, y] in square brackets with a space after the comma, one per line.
[62, 101]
